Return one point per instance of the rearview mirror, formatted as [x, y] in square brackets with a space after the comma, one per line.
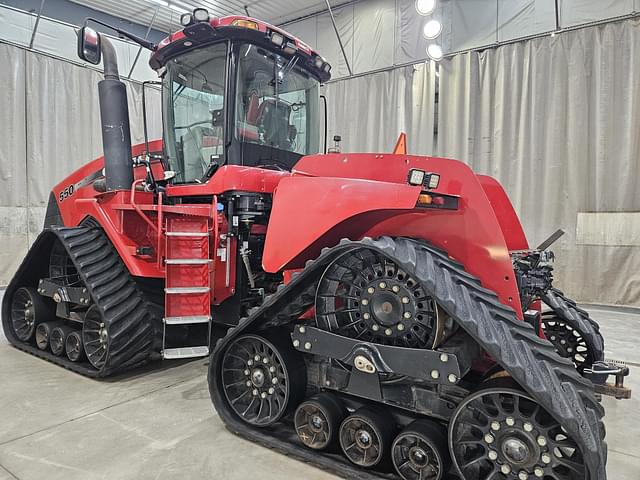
[89, 48]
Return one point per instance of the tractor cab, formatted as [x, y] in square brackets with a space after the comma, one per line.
[236, 91]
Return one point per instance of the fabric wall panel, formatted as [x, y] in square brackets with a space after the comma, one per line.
[14, 238]
[576, 12]
[373, 35]
[471, 24]
[63, 122]
[553, 120]
[327, 41]
[523, 18]
[13, 179]
[307, 31]
[411, 45]
[370, 111]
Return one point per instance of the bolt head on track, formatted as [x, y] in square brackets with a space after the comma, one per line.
[365, 437]
[504, 433]
[318, 419]
[420, 452]
[261, 378]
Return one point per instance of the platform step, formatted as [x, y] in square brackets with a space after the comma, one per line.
[186, 290]
[187, 234]
[185, 352]
[187, 261]
[188, 320]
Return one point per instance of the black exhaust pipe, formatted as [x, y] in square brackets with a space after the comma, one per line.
[114, 116]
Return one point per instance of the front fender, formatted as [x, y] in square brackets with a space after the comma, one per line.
[310, 213]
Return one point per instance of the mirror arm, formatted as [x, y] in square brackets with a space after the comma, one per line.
[140, 41]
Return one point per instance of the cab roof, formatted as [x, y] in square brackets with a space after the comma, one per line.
[198, 34]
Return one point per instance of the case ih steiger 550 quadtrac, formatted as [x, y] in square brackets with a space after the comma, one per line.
[385, 309]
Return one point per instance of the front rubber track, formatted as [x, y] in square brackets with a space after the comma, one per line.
[123, 308]
[531, 361]
[578, 319]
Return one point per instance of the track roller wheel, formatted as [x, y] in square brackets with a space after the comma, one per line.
[318, 420]
[262, 378]
[28, 309]
[58, 338]
[420, 451]
[95, 338]
[74, 347]
[365, 437]
[43, 334]
[499, 433]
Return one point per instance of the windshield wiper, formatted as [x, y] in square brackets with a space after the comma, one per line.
[284, 71]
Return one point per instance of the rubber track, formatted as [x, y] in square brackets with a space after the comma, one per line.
[121, 303]
[531, 361]
[578, 319]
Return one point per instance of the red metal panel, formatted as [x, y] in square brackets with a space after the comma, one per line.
[326, 209]
[232, 177]
[509, 222]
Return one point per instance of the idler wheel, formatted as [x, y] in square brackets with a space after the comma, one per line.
[420, 451]
[262, 378]
[318, 420]
[58, 338]
[28, 309]
[74, 346]
[365, 437]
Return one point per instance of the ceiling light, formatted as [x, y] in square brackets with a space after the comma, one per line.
[432, 29]
[435, 52]
[160, 2]
[425, 7]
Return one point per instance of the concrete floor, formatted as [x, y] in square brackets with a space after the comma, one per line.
[159, 423]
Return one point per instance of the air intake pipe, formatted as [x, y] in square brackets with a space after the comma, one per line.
[114, 116]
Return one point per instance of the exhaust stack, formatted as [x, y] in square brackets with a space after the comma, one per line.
[114, 110]
[114, 117]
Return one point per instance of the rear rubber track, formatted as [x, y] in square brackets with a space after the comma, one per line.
[532, 362]
[578, 319]
[128, 317]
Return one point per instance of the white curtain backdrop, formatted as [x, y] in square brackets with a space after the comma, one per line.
[370, 111]
[557, 121]
[50, 126]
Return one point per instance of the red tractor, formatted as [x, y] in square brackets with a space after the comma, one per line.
[385, 309]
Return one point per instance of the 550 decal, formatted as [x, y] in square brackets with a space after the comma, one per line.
[66, 193]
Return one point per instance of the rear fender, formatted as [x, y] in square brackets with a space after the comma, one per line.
[310, 213]
[509, 222]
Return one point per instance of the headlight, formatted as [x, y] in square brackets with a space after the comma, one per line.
[277, 39]
[201, 15]
[416, 177]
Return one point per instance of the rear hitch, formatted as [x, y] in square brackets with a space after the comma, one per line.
[599, 374]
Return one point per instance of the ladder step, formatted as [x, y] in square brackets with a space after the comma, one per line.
[183, 290]
[187, 261]
[185, 352]
[187, 320]
[187, 234]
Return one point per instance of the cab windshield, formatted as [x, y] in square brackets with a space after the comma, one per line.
[276, 118]
[193, 103]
